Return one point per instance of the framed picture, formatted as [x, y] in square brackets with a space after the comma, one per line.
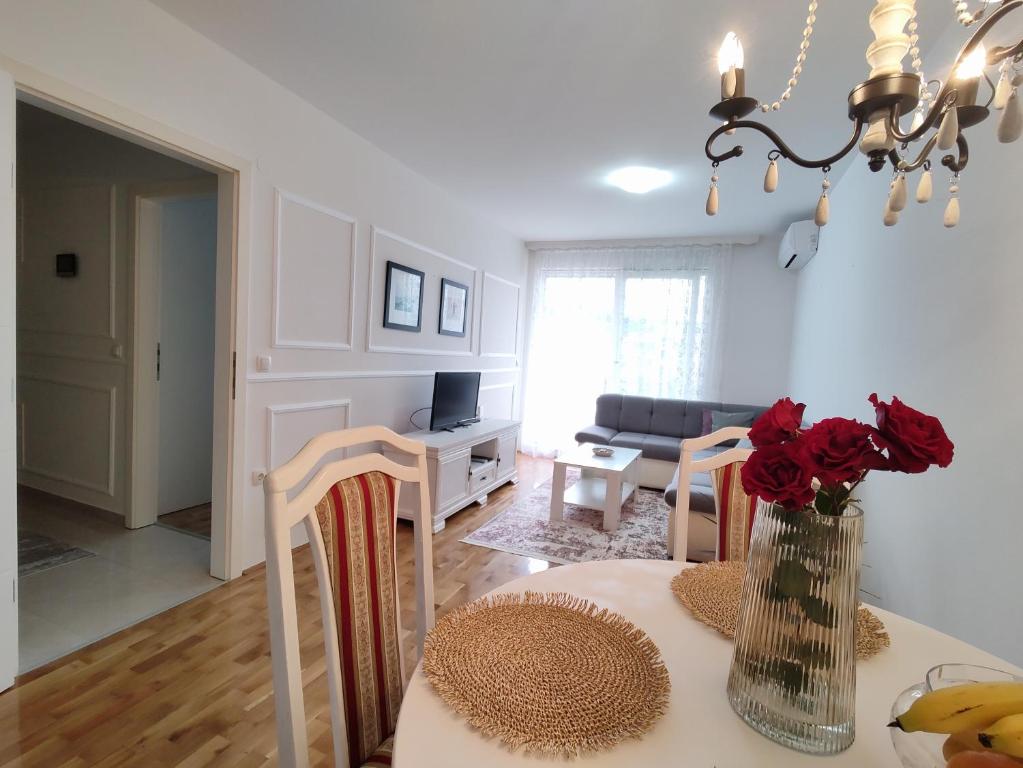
[403, 298]
[453, 299]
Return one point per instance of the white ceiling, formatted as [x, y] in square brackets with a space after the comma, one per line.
[520, 107]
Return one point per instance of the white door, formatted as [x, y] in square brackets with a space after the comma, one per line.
[8, 483]
[188, 283]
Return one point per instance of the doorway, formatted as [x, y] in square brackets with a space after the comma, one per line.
[91, 562]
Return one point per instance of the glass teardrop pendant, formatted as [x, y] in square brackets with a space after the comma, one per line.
[949, 130]
[925, 187]
[712, 200]
[771, 177]
[1010, 124]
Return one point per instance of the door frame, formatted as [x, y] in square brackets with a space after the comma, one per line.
[144, 269]
[234, 193]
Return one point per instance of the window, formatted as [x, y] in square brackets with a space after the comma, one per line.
[630, 321]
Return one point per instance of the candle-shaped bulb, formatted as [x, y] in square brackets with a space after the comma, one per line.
[730, 54]
[973, 65]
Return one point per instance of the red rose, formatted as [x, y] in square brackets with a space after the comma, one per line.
[914, 440]
[840, 451]
[777, 424]
[779, 473]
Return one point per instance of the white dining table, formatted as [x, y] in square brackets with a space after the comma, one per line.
[699, 730]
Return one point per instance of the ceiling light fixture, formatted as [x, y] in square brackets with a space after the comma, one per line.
[639, 179]
[888, 94]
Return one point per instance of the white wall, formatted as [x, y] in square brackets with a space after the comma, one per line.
[757, 325]
[188, 279]
[74, 334]
[933, 316]
[319, 177]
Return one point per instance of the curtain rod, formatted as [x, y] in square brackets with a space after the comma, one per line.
[654, 242]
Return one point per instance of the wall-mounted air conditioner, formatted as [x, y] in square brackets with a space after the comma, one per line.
[798, 245]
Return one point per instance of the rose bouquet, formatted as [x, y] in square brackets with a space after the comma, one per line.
[819, 468]
[793, 674]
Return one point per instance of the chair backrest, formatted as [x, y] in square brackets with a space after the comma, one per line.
[348, 509]
[735, 512]
[688, 465]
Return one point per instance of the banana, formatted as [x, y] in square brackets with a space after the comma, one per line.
[1005, 736]
[961, 707]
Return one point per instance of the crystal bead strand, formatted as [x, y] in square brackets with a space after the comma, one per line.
[963, 15]
[797, 70]
[914, 51]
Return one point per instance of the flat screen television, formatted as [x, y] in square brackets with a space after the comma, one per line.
[454, 399]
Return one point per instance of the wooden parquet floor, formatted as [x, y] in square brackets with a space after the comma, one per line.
[196, 520]
[192, 686]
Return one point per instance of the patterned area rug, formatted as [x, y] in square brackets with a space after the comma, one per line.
[41, 553]
[524, 529]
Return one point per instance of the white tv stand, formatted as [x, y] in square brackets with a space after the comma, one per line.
[455, 480]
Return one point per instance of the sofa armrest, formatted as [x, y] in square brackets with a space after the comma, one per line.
[595, 434]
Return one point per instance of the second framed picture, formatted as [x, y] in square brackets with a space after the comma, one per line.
[454, 297]
[403, 298]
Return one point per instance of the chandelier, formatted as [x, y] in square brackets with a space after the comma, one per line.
[942, 111]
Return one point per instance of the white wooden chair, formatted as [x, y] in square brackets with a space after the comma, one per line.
[349, 512]
[732, 517]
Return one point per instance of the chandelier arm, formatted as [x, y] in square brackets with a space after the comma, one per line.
[957, 164]
[903, 165]
[1007, 6]
[781, 146]
[944, 101]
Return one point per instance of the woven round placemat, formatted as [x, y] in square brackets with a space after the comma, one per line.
[550, 673]
[712, 591]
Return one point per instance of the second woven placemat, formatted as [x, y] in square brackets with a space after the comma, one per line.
[712, 591]
[547, 672]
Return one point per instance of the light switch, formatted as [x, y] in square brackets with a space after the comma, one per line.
[263, 363]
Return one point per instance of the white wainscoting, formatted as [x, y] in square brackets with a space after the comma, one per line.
[499, 320]
[386, 246]
[78, 423]
[313, 275]
[290, 426]
[78, 220]
[340, 375]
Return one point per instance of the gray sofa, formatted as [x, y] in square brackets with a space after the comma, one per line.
[657, 427]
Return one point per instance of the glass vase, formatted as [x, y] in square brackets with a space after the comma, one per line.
[793, 674]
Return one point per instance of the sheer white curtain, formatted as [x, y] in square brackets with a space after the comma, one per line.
[635, 320]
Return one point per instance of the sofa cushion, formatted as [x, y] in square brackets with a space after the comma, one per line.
[701, 492]
[693, 424]
[609, 410]
[701, 497]
[662, 448]
[722, 419]
[629, 440]
[595, 434]
[636, 413]
[667, 417]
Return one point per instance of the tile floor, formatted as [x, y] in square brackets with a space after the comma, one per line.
[134, 575]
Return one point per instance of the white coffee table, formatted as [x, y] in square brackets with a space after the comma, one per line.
[606, 482]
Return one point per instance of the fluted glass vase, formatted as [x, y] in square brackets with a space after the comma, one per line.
[793, 675]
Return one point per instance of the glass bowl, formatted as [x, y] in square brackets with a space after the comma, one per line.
[923, 750]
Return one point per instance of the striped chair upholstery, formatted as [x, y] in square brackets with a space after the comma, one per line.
[356, 519]
[735, 512]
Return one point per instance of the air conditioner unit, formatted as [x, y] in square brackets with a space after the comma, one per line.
[798, 245]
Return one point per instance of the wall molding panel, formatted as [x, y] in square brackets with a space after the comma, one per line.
[266, 378]
[494, 299]
[107, 485]
[281, 305]
[374, 306]
[276, 412]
